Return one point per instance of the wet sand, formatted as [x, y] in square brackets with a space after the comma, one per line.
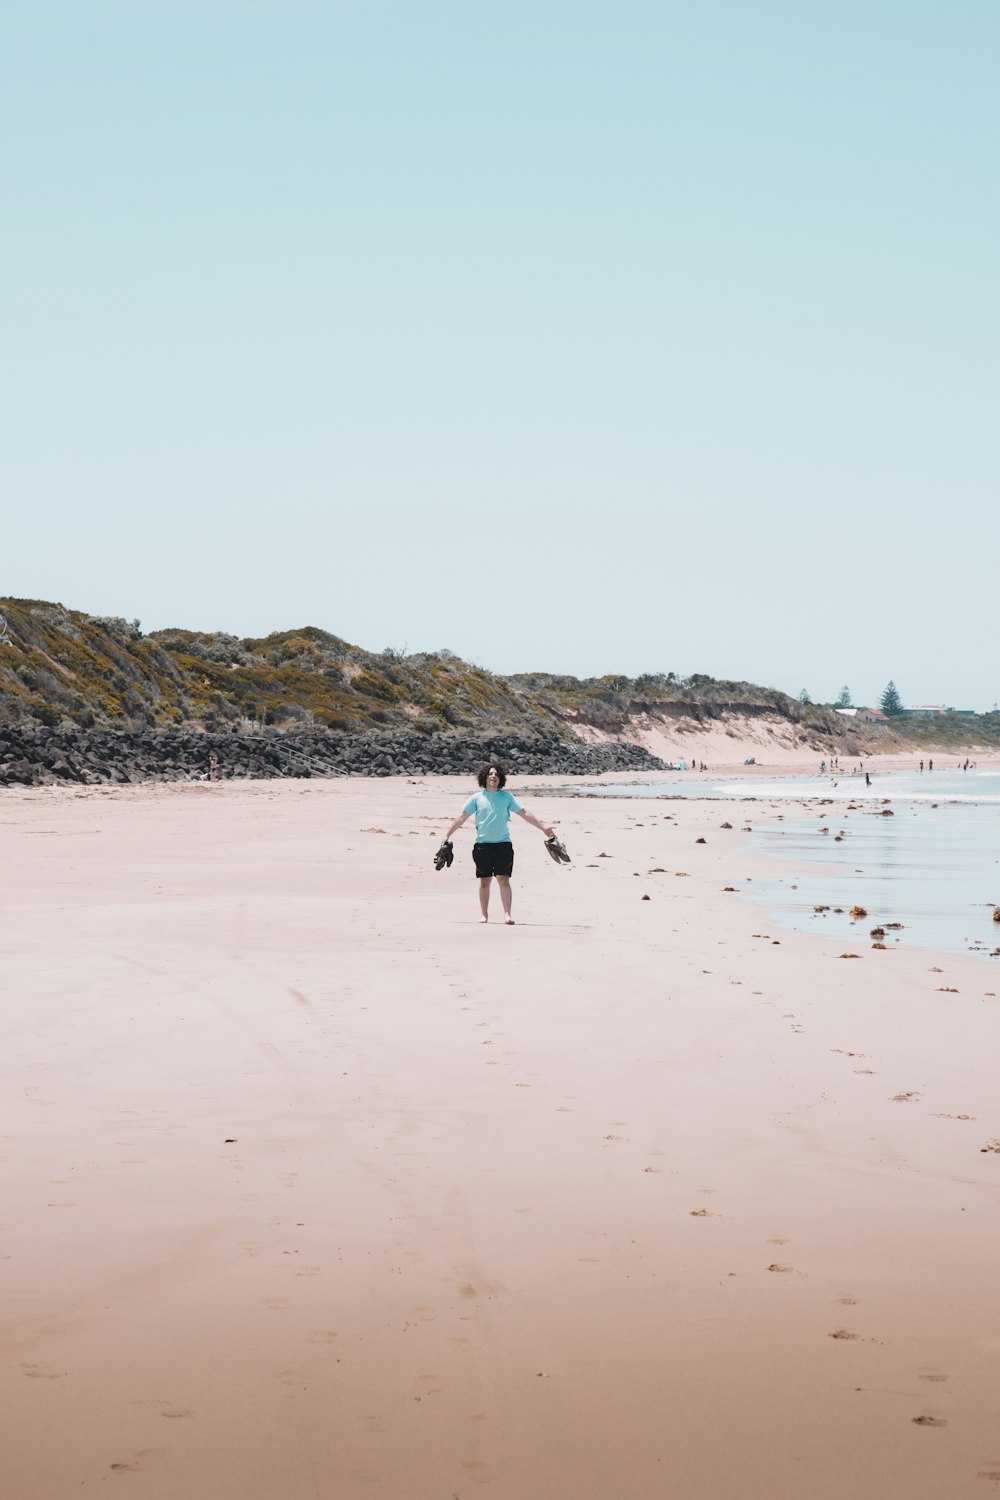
[311, 1186]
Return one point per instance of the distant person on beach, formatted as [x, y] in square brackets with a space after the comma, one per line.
[930, 765]
[921, 766]
[493, 851]
[868, 780]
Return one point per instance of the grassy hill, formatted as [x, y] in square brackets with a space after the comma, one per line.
[62, 667]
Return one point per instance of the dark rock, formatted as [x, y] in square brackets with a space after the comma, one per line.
[31, 755]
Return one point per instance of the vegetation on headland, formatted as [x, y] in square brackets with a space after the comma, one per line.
[890, 702]
[63, 667]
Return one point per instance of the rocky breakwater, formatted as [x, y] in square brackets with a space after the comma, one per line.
[31, 756]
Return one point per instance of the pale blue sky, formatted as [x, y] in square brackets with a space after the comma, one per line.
[578, 337]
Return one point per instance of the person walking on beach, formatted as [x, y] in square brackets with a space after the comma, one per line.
[493, 851]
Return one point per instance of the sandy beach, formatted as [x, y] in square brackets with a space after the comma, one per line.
[314, 1187]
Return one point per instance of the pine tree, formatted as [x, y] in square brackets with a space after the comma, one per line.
[804, 698]
[890, 701]
[844, 701]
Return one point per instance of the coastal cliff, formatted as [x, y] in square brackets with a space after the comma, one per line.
[80, 685]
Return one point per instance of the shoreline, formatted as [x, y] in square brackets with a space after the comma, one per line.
[312, 1185]
[779, 805]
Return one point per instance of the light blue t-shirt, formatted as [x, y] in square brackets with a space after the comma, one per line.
[492, 810]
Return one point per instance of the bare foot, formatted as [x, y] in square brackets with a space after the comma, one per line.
[483, 921]
[508, 921]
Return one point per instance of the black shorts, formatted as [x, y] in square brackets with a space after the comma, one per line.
[493, 859]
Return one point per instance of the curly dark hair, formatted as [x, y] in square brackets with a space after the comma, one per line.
[484, 771]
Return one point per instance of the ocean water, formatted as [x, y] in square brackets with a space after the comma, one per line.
[933, 866]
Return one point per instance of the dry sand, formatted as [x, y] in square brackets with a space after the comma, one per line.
[312, 1186]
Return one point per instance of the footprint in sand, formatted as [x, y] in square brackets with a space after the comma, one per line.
[36, 1372]
[134, 1466]
[926, 1421]
[167, 1408]
[775, 1267]
[844, 1333]
[846, 1301]
[480, 1473]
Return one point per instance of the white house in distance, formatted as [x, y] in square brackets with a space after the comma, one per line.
[932, 710]
[924, 711]
[865, 715]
